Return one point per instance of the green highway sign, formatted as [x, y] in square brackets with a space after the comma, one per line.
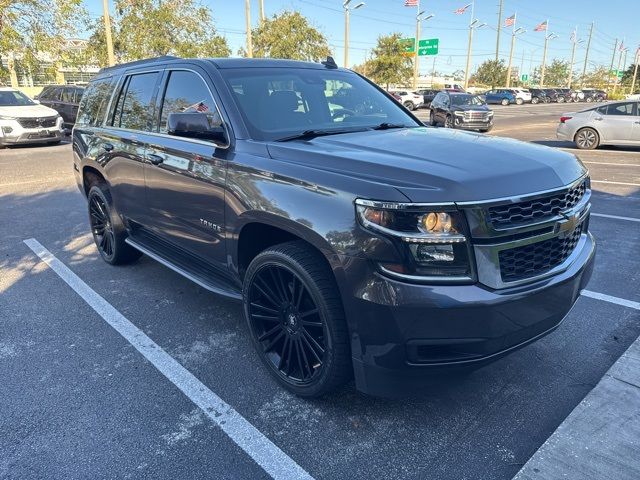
[524, 77]
[408, 45]
[617, 73]
[428, 46]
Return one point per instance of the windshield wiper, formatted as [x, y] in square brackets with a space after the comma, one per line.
[309, 134]
[387, 126]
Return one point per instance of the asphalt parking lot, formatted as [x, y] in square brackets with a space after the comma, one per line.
[79, 400]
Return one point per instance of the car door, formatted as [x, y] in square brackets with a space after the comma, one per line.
[635, 134]
[67, 98]
[52, 99]
[617, 124]
[185, 177]
[436, 105]
[124, 142]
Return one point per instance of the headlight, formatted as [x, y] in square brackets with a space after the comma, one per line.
[459, 113]
[490, 113]
[5, 117]
[432, 239]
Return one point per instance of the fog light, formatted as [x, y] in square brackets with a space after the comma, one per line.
[425, 253]
[7, 129]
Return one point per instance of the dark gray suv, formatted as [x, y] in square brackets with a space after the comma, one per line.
[361, 243]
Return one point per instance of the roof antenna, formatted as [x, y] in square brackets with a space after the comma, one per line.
[330, 62]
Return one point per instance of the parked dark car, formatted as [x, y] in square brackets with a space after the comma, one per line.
[593, 95]
[361, 245]
[64, 99]
[554, 95]
[499, 96]
[567, 94]
[538, 95]
[428, 95]
[460, 110]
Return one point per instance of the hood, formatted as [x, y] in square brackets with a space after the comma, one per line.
[464, 108]
[437, 165]
[27, 111]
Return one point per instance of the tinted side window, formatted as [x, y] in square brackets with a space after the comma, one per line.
[134, 107]
[185, 92]
[620, 109]
[95, 100]
[68, 94]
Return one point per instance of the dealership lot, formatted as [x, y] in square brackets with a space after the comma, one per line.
[80, 400]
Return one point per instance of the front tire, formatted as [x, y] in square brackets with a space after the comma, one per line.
[409, 106]
[107, 228]
[448, 123]
[519, 101]
[504, 102]
[587, 139]
[432, 119]
[294, 312]
[535, 100]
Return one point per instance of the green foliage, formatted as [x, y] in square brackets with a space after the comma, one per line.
[289, 35]
[388, 64]
[491, 72]
[150, 28]
[598, 78]
[556, 73]
[31, 28]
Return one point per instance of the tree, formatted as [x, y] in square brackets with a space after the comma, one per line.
[388, 64]
[598, 78]
[556, 73]
[150, 28]
[31, 28]
[458, 75]
[289, 35]
[491, 72]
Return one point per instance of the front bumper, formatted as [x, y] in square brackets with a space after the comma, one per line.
[473, 124]
[12, 133]
[403, 334]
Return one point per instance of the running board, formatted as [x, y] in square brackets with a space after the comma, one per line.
[208, 282]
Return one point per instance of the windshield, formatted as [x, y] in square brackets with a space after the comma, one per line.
[466, 100]
[14, 98]
[279, 102]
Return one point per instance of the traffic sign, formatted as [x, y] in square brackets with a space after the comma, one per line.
[524, 77]
[408, 45]
[428, 46]
[617, 73]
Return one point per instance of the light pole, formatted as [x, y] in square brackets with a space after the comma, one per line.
[473, 25]
[576, 42]
[551, 36]
[635, 70]
[419, 18]
[247, 14]
[347, 14]
[622, 50]
[516, 32]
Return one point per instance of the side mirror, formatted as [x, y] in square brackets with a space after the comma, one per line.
[204, 126]
[35, 100]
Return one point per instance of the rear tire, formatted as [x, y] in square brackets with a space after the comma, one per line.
[294, 312]
[535, 100]
[432, 119]
[560, 99]
[587, 139]
[519, 101]
[504, 102]
[108, 231]
[409, 105]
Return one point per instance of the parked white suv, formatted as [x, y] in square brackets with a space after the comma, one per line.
[523, 94]
[23, 120]
[409, 99]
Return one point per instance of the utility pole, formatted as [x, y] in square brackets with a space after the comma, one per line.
[615, 84]
[635, 70]
[515, 31]
[247, 14]
[586, 56]
[613, 58]
[107, 33]
[499, 29]
[416, 63]
[347, 15]
[433, 70]
[551, 36]
[261, 10]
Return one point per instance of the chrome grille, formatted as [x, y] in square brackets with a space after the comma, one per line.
[505, 216]
[537, 258]
[40, 122]
[473, 115]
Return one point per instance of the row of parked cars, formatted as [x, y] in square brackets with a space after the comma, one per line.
[518, 96]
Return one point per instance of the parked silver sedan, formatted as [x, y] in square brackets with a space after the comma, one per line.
[615, 123]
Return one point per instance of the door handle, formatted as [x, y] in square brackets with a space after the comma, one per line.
[155, 159]
[107, 147]
[637, 123]
[598, 118]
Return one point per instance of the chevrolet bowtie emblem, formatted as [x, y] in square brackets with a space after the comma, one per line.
[566, 227]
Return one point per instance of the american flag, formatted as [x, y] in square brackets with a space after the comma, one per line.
[198, 107]
[411, 3]
[461, 11]
[621, 46]
[510, 21]
[541, 27]
[573, 36]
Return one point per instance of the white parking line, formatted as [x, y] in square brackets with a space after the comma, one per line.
[264, 452]
[616, 183]
[616, 164]
[610, 299]
[615, 217]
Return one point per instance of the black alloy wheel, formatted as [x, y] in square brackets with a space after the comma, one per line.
[101, 226]
[295, 317]
[535, 100]
[108, 231]
[432, 119]
[448, 123]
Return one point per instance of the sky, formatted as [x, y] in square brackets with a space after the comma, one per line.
[613, 19]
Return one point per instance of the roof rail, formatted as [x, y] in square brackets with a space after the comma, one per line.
[146, 61]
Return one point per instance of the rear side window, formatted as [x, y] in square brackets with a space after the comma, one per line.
[68, 95]
[185, 92]
[95, 100]
[620, 109]
[134, 109]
